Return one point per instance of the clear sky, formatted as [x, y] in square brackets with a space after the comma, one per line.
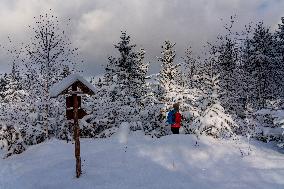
[96, 24]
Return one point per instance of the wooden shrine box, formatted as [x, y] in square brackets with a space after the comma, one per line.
[74, 85]
[66, 84]
[76, 82]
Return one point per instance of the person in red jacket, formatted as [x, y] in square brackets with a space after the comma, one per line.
[175, 127]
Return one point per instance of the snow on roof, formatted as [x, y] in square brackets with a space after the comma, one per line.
[58, 88]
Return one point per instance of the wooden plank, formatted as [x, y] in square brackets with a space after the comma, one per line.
[70, 114]
[69, 102]
[81, 113]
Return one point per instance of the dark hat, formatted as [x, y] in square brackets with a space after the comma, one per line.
[176, 106]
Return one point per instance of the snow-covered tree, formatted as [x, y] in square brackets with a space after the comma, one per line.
[227, 59]
[26, 107]
[191, 67]
[13, 84]
[169, 70]
[3, 85]
[212, 119]
[138, 76]
[50, 57]
[123, 88]
[11, 140]
[261, 65]
[19, 127]
[279, 58]
[127, 71]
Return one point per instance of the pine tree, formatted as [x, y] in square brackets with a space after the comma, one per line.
[212, 119]
[3, 85]
[190, 66]
[121, 94]
[247, 84]
[13, 84]
[138, 76]
[125, 62]
[279, 51]
[130, 70]
[260, 63]
[168, 73]
[280, 39]
[227, 61]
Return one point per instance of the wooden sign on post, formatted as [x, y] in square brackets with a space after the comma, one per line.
[73, 104]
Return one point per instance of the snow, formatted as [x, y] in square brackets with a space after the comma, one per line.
[169, 162]
[67, 82]
[123, 132]
[272, 131]
[278, 120]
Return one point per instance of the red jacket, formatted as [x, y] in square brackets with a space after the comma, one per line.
[177, 120]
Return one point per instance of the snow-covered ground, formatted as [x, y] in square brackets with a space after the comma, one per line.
[171, 162]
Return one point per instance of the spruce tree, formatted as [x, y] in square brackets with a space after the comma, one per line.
[279, 51]
[120, 96]
[168, 76]
[3, 85]
[168, 73]
[212, 119]
[260, 63]
[190, 65]
[226, 57]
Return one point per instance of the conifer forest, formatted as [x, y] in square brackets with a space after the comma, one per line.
[232, 90]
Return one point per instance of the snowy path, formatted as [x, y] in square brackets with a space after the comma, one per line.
[172, 162]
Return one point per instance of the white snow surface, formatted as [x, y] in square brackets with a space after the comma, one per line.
[171, 162]
[56, 89]
[123, 132]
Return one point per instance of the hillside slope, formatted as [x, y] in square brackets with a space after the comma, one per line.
[171, 162]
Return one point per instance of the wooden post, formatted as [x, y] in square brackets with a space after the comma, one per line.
[73, 106]
[46, 110]
[76, 132]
